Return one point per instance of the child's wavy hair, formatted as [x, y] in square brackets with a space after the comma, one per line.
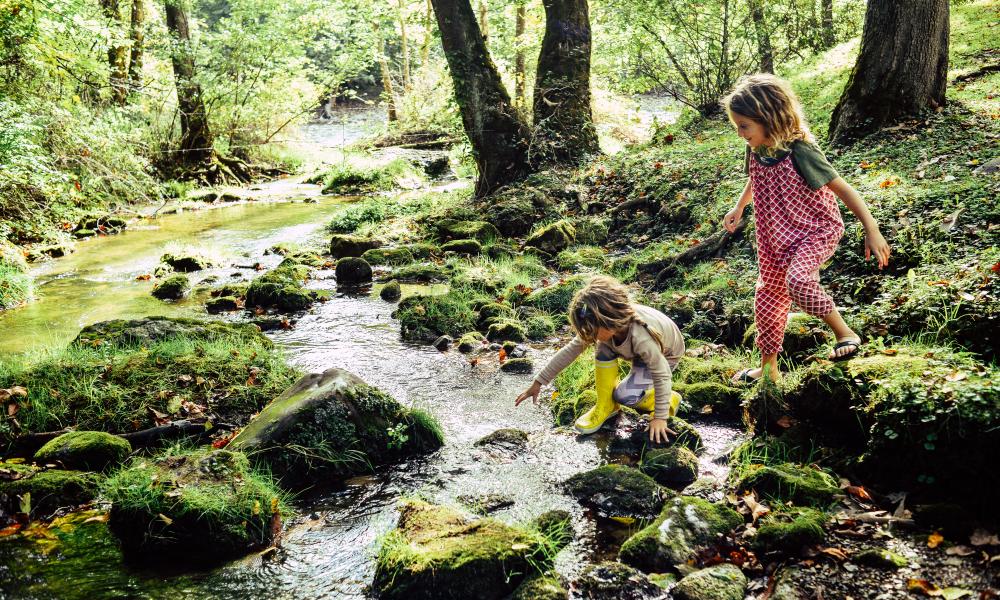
[604, 303]
[770, 101]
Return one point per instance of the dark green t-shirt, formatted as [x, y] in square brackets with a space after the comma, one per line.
[807, 159]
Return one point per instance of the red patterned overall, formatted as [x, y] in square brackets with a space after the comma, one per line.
[797, 231]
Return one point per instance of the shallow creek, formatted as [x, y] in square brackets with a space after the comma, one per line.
[328, 551]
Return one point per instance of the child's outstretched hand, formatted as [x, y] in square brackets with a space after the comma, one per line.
[876, 245]
[732, 219]
[532, 392]
[659, 432]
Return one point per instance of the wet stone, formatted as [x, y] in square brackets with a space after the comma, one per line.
[508, 439]
[484, 504]
[222, 304]
[172, 288]
[615, 580]
[720, 582]
[880, 558]
[470, 342]
[631, 436]
[675, 467]
[343, 245]
[186, 264]
[353, 271]
[618, 491]
[391, 292]
[521, 366]
[443, 343]
[49, 489]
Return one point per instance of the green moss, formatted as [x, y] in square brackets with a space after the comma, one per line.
[364, 175]
[44, 490]
[15, 286]
[880, 558]
[391, 292]
[589, 257]
[675, 467]
[421, 273]
[522, 366]
[789, 482]
[205, 503]
[685, 525]
[592, 231]
[352, 271]
[281, 288]
[470, 247]
[719, 582]
[85, 450]
[465, 230]
[223, 304]
[172, 288]
[722, 399]
[539, 327]
[552, 238]
[543, 587]
[555, 298]
[618, 491]
[187, 263]
[506, 329]
[436, 553]
[344, 245]
[425, 318]
[790, 530]
[388, 256]
[470, 341]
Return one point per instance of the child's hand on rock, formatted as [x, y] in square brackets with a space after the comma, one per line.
[659, 432]
[532, 392]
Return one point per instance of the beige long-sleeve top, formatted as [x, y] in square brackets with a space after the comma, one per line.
[640, 344]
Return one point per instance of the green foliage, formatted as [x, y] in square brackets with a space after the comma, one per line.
[15, 286]
[364, 175]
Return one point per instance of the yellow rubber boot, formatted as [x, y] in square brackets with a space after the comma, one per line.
[606, 375]
[648, 403]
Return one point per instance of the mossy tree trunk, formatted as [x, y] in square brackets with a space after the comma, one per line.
[901, 70]
[498, 135]
[564, 127]
[137, 35]
[484, 19]
[763, 36]
[196, 138]
[425, 49]
[387, 88]
[827, 36]
[520, 95]
[117, 52]
[404, 46]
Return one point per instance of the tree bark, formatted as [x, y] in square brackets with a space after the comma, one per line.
[387, 88]
[425, 50]
[901, 70]
[498, 135]
[763, 36]
[520, 95]
[404, 46]
[827, 15]
[137, 34]
[117, 53]
[196, 138]
[564, 127]
[484, 19]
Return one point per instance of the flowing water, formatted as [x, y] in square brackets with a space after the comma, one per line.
[328, 551]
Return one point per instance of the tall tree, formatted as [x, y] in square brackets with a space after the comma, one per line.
[763, 36]
[520, 95]
[404, 47]
[902, 67]
[117, 52]
[498, 135]
[827, 15]
[564, 126]
[484, 19]
[196, 138]
[383, 64]
[137, 37]
[425, 48]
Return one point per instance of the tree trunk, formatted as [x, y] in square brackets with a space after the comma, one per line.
[425, 50]
[902, 67]
[498, 135]
[763, 37]
[484, 19]
[117, 53]
[196, 139]
[137, 35]
[387, 87]
[828, 37]
[564, 127]
[404, 47]
[520, 95]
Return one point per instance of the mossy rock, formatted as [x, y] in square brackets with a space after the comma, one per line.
[223, 304]
[333, 424]
[470, 247]
[631, 436]
[435, 553]
[520, 366]
[557, 526]
[506, 330]
[880, 558]
[723, 400]
[186, 263]
[714, 369]
[388, 256]
[465, 230]
[592, 231]
[719, 582]
[150, 330]
[345, 245]
[517, 209]
[567, 408]
[420, 273]
[789, 482]
[204, 503]
[426, 318]
[281, 289]
[172, 288]
[589, 257]
[539, 327]
[471, 342]
[685, 525]
[675, 467]
[353, 271]
[484, 504]
[493, 312]
[542, 587]
[391, 292]
[49, 489]
[618, 491]
[790, 530]
[615, 580]
[85, 450]
[507, 438]
[553, 238]
[234, 290]
[555, 299]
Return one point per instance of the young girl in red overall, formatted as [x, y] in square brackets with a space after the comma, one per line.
[794, 192]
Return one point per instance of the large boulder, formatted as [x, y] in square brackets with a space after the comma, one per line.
[344, 245]
[685, 526]
[85, 450]
[281, 289]
[43, 491]
[353, 271]
[631, 436]
[719, 582]
[618, 491]
[205, 504]
[332, 423]
[149, 330]
[436, 553]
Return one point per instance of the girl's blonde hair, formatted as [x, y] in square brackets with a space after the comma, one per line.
[770, 101]
[604, 303]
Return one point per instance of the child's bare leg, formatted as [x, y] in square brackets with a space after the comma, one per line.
[842, 331]
[769, 365]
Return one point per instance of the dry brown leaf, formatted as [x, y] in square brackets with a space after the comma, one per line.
[934, 540]
[757, 509]
[836, 553]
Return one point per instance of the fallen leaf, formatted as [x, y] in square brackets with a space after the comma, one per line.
[888, 183]
[934, 540]
[923, 586]
[165, 519]
[706, 410]
[519, 546]
[956, 376]
[503, 355]
[786, 421]
[836, 553]
[158, 417]
[890, 352]
[10, 530]
[252, 380]
[954, 593]
[473, 361]
[144, 277]
[858, 492]
[224, 441]
[757, 509]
